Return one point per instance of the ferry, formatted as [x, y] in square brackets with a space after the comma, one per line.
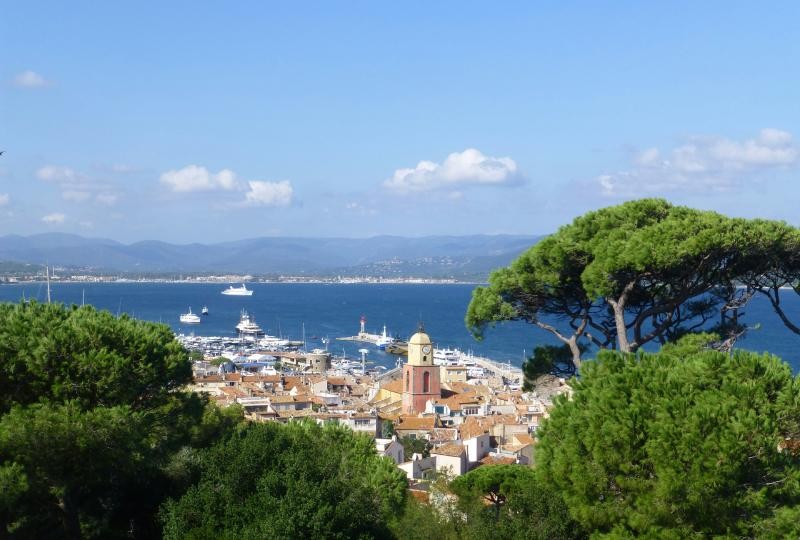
[238, 291]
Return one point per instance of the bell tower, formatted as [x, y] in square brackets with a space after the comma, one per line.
[420, 375]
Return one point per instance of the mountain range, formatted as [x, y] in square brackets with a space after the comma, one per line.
[460, 257]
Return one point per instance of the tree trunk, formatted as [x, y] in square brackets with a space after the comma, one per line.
[576, 352]
[69, 517]
[619, 319]
[618, 306]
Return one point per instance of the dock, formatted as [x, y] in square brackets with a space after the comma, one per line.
[362, 337]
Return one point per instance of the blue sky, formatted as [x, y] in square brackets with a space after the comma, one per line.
[203, 122]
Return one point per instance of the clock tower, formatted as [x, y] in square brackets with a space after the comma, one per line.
[420, 375]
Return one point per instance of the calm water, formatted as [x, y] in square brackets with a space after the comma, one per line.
[334, 310]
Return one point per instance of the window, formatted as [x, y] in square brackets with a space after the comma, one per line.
[426, 382]
[362, 421]
[408, 378]
[424, 358]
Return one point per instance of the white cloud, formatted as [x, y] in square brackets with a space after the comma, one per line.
[106, 199]
[4, 199]
[75, 196]
[702, 164]
[30, 79]
[56, 173]
[269, 193]
[196, 178]
[56, 218]
[469, 167]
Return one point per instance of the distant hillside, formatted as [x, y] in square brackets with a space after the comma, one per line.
[462, 257]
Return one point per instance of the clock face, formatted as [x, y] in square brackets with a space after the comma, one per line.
[426, 349]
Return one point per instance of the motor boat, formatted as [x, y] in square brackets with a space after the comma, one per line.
[190, 318]
[204, 311]
[247, 325]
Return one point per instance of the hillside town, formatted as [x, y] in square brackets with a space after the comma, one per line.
[459, 422]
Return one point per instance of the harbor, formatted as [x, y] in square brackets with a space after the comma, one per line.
[251, 353]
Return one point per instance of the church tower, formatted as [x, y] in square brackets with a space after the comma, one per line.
[420, 375]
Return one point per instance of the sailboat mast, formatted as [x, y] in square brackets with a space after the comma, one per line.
[47, 272]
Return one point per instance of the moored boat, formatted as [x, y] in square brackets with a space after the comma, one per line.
[247, 325]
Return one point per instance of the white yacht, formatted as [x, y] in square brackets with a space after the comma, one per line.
[238, 291]
[446, 357]
[190, 318]
[247, 325]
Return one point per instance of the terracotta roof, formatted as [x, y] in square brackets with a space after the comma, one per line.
[456, 368]
[513, 447]
[359, 390]
[415, 423]
[444, 434]
[449, 449]
[523, 439]
[208, 378]
[258, 377]
[233, 392]
[475, 425]
[395, 386]
[337, 381]
[491, 459]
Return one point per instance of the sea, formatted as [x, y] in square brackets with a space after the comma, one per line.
[322, 312]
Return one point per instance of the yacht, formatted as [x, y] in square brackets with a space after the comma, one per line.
[446, 357]
[238, 291]
[247, 325]
[190, 318]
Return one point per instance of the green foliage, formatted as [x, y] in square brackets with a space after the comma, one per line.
[289, 481]
[519, 505]
[630, 274]
[91, 412]
[79, 354]
[677, 444]
[495, 483]
[547, 359]
[420, 521]
[387, 429]
[414, 445]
